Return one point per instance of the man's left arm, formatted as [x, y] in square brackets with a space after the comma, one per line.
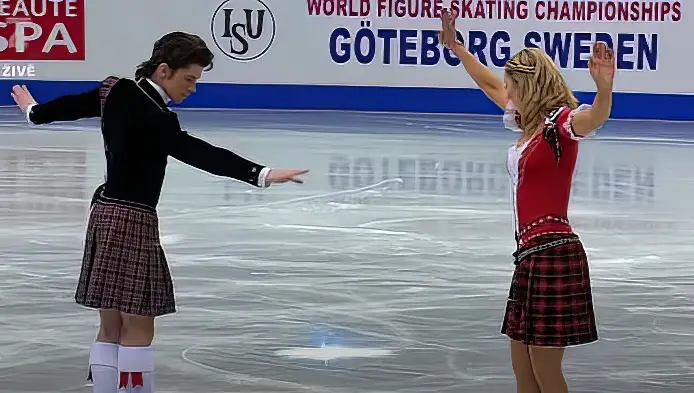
[209, 158]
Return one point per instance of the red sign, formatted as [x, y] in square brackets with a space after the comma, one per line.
[33, 30]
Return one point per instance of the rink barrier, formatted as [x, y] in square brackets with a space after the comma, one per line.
[368, 98]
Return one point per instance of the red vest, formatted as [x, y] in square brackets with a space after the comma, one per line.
[541, 185]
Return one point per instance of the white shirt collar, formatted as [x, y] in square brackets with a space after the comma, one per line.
[161, 91]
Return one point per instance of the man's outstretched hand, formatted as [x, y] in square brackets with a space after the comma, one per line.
[22, 97]
[285, 175]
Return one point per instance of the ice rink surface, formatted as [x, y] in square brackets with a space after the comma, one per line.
[386, 272]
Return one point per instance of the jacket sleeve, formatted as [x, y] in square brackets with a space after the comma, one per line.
[72, 106]
[67, 108]
[207, 157]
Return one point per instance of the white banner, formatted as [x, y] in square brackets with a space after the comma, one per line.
[381, 42]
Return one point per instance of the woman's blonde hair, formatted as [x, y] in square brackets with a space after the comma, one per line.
[540, 87]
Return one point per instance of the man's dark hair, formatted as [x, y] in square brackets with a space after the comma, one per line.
[177, 50]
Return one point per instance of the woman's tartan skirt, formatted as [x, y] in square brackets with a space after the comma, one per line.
[124, 267]
[550, 303]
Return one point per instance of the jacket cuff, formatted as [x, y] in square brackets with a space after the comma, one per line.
[28, 113]
[262, 178]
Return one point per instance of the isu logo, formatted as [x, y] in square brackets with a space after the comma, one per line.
[243, 30]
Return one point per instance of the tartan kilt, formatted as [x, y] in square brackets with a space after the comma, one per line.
[124, 267]
[550, 302]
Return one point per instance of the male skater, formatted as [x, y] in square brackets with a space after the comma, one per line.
[125, 274]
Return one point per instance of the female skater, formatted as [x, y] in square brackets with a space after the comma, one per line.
[550, 305]
[125, 274]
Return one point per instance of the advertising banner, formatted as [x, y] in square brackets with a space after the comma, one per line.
[361, 54]
[35, 30]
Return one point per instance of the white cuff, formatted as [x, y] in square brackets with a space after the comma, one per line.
[262, 178]
[569, 128]
[28, 112]
[136, 359]
[104, 354]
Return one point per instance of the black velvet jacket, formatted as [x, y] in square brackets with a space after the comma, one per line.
[140, 133]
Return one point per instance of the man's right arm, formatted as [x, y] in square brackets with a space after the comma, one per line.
[66, 108]
[70, 107]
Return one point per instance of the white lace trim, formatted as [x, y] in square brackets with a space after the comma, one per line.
[567, 124]
[510, 117]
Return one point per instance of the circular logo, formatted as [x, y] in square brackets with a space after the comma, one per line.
[243, 29]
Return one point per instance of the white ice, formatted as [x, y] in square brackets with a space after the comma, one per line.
[396, 250]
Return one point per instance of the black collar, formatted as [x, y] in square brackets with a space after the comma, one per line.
[152, 93]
